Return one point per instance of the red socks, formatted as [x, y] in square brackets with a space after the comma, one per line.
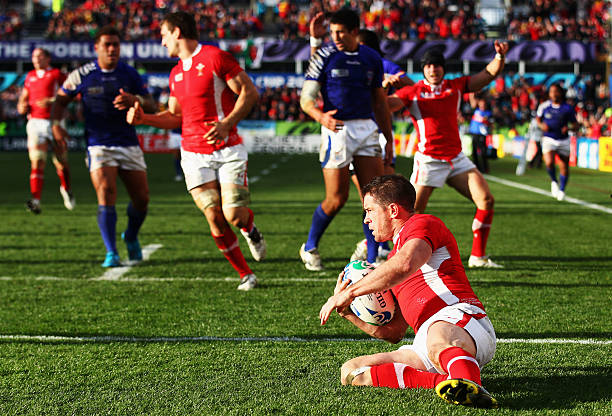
[454, 360]
[249, 226]
[36, 182]
[401, 376]
[64, 177]
[481, 227]
[228, 245]
[460, 364]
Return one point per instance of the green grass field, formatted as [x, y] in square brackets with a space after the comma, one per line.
[173, 336]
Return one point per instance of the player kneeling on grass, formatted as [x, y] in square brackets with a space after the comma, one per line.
[454, 337]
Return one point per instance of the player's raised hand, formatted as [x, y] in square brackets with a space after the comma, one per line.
[328, 120]
[317, 26]
[501, 47]
[124, 100]
[392, 80]
[218, 132]
[135, 114]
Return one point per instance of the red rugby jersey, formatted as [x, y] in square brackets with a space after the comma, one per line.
[433, 110]
[438, 283]
[199, 83]
[43, 86]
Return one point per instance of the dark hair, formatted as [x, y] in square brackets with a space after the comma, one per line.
[433, 57]
[388, 189]
[43, 51]
[370, 39]
[561, 89]
[346, 17]
[106, 31]
[185, 22]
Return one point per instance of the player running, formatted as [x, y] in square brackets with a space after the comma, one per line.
[433, 104]
[108, 87]
[349, 77]
[36, 99]
[555, 117]
[214, 159]
[454, 337]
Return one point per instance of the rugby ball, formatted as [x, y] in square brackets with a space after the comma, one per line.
[376, 308]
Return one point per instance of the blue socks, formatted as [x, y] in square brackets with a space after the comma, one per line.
[372, 244]
[135, 220]
[320, 221]
[552, 172]
[177, 167]
[107, 222]
[562, 182]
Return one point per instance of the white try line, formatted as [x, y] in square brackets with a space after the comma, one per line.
[168, 279]
[111, 338]
[115, 273]
[546, 193]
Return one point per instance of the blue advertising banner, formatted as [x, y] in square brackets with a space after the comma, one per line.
[258, 50]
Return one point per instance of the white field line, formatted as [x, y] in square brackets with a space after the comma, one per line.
[115, 273]
[111, 338]
[169, 279]
[547, 193]
[267, 171]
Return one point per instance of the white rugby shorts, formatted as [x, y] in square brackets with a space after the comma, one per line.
[429, 171]
[561, 147]
[123, 157]
[356, 138]
[227, 165]
[469, 317]
[174, 140]
[38, 131]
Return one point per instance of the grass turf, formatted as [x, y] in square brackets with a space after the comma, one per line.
[556, 284]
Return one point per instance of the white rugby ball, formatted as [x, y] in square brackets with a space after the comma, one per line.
[376, 308]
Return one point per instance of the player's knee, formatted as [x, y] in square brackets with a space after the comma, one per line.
[37, 155]
[207, 199]
[59, 160]
[235, 197]
[334, 204]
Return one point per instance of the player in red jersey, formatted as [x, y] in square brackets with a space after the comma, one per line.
[36, 99]
[203, 89]
[433, 104]
[454, 337]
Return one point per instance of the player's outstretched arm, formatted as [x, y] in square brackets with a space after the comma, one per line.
[169, 119]
[60, 135]
[383, 119]
[492, 70]
[395, 103]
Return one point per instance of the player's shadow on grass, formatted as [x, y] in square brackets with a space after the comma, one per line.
[553, 392]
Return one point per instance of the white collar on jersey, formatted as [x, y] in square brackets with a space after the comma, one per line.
[40, 72]
[432, 86]
[187, 62]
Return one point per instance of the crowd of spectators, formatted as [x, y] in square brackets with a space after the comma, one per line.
[559, 19]
[11, 25]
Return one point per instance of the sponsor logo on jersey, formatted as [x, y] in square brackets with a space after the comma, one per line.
[353, 63]
[96, 90]
[339, 73]
[178, 77]
[436, 93]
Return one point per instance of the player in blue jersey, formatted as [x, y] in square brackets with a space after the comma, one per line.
[108, 88]
[479, 129]
[555, 118]
[349, 77]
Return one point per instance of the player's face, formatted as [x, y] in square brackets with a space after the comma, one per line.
[434, 74]
[377, 219]
[108, 50]
[554, 94]
[39, 59]
[170, 40]
[344, 39]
